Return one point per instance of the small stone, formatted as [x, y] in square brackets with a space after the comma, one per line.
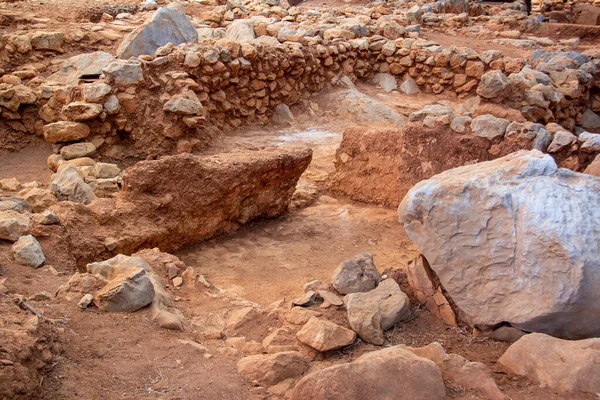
[324, 335]
[283, 115]
[77, 150]
[177, 281]
[96, 92]
[371, 313]
[127, 292]
[358, 274]
[300, 315]
[11, 184]
[86, 301]
[409, 86]
[46, 217]
[184, 104]
[329, 299]
[561, 140]
[305, 300]
[565, 365]
[80, 111]
[271, 369]
[489, 127]
[27, 251]
[106, 170]
[13, 225]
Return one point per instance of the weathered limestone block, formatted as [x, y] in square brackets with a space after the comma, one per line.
[487, 229]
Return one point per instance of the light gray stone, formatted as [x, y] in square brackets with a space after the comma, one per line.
[514, 241]
[68, 184]
[492, 84]
[27, 251]
[358, 274]
[89, 64]
[168, 25]
[124, 72]
[489, 127]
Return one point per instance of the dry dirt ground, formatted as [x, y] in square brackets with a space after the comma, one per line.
[118, 356]
[109, 356]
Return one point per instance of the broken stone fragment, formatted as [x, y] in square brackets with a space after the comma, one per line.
[371, 313]
[283, 115]
[300, 315]
[427, 292]
[281, 339]
[492, 85]
[39, 199]
[324, 335]
[240, 31]
[27, 251]
[124, 72]
[358, 274]
[127, 292]
[69, 184]
[168, 25]
[10, 184]
[561, 140]
[89, 64]
[106, 170]
[306, 299]
[271, 369]
[86, 301]
[47, 41]
[329, 299]
[14, 203]
[46, 217]
[489, 127]
[96, 92]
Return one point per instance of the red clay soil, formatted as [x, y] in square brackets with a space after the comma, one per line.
[380, 165]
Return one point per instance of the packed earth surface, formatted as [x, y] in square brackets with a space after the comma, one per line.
[285, 199]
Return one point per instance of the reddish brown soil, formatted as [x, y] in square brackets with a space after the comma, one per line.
[109, 356]
[29, 164]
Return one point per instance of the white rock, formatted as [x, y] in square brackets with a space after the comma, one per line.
[514, 240]
[27, 251]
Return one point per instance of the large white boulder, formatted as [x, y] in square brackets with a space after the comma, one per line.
[514, 240]
[168, 25]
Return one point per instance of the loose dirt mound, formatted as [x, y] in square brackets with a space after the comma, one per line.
[27, 348]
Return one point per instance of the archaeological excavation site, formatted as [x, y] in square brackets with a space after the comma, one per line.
[300, 200]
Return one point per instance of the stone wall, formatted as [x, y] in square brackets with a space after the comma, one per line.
[182, 97]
